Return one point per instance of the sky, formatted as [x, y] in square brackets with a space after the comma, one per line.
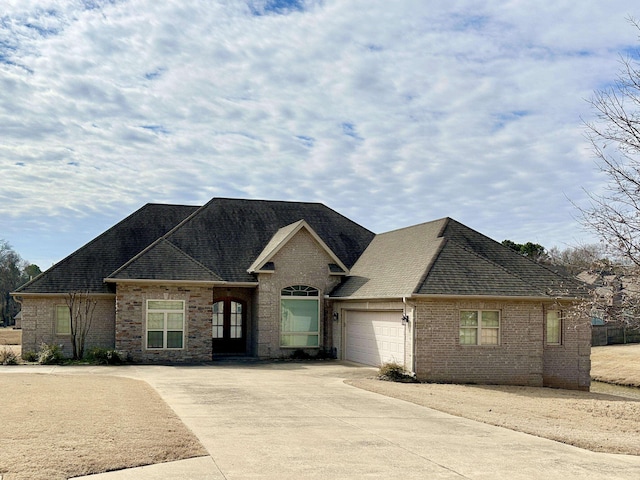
[392, 113]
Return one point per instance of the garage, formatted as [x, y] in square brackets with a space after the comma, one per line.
[374, 337]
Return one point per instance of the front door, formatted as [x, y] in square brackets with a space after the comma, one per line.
[229, 326]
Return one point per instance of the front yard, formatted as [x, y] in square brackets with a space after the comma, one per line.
[56, 426]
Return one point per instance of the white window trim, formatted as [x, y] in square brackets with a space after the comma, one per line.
[165, 329]
[479, 328]
[315, 298]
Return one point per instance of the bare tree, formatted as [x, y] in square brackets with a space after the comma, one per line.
[615, 139]
[580, 259]
[81, 310]
[614, 215]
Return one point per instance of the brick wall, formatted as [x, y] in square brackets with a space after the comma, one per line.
[522, 358]
[568, 365]
[130, 327]
[38, 324]
[518, 360]
[302, 261]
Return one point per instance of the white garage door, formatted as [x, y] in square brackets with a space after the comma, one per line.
[374, 338]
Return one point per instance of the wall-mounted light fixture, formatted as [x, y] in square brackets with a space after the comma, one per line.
[405, 319]
[336, 317]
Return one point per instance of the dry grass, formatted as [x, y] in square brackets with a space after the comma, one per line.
[619, 364]
[595, 420]
[9, 336]
[60, 426]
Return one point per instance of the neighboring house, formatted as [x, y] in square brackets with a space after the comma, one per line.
[17, 320]
[265, 279]
[615, 306]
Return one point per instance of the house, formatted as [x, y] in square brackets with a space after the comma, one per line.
[268, 278]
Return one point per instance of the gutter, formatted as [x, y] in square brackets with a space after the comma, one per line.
[539, 298]
[181, 282]
[58, 294]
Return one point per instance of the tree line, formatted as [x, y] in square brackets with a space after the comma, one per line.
[14, 271]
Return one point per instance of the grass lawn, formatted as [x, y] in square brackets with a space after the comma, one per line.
[60, 426]
[9, 336]
[617, 364]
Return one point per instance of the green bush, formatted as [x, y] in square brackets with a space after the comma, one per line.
[8, 357]
[50, 354]
[104, 356]
[30, 356]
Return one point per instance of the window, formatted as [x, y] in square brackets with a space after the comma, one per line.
[479, 327]
[300, 317]
[165, 324]
[554, 327]
[63, 320]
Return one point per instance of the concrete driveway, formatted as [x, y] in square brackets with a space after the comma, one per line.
[301, 421]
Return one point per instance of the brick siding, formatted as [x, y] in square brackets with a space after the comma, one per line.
[302, 261]
[520, 359]
[131, 301]
[38, 324]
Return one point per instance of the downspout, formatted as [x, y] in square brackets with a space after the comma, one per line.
[411, 322]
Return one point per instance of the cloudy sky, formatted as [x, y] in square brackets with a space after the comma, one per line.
[391, 112]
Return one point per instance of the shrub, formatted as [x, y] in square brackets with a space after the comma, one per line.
[30, 356]
[104, 356]
[8, 357]
[50, 354]
[300, 355]
[394, 372]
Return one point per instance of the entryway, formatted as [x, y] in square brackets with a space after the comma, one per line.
[229, 328]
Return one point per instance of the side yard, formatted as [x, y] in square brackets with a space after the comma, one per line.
[595, 420]
[617, 364]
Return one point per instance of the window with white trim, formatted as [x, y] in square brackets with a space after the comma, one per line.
[300, 317]
[63, 320]
[165, 324]
[554, 327]
[479, 327]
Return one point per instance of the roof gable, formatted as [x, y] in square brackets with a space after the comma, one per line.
[164, 261]
[281, 238]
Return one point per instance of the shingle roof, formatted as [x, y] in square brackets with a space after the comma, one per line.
[393, 263]
[86, 268]
[444, 257]
[226, 236]
[165, 261]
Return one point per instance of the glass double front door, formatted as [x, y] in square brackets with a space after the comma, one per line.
[229, 326]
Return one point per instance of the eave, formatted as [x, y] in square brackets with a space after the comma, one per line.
[181, 282]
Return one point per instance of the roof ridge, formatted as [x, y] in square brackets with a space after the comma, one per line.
[443, 241]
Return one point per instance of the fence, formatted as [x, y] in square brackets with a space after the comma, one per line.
[612, 335]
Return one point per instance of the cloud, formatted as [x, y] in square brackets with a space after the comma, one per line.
[392, 114]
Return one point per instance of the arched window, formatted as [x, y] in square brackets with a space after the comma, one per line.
[300, 317]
